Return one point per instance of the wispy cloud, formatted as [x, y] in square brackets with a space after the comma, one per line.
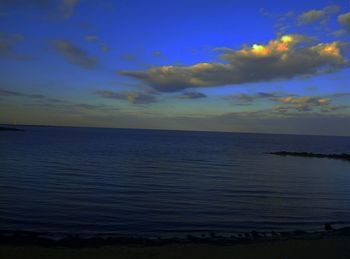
[316, 15]
[291, 102]
[312, 16]
[8, 42]
[344, 21]
[334, 108]
[132, 97]
[4, 92]
[60, 104]
[57, 9]
[264, 121]
[27, 3]
[75, 55]
[191, 95]
[67, 8]
[244, 99]
[94, 38]
[283, 58]
[91, 38]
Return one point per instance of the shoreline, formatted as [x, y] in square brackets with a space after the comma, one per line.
[75, 240]
[320, 248]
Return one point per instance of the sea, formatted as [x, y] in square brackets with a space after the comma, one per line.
[162, 183]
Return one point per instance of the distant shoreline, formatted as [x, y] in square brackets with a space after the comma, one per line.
[9, 129]
[176, 130]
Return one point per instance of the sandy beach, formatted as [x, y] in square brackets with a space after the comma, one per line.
[333, 247]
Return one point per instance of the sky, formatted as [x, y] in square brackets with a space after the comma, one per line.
[216, 65]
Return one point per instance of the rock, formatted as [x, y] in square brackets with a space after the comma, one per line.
[328, 227]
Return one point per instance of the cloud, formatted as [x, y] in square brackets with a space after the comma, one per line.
[284, 58]
[192, 95]
[344, 20]
[339, 95]
[293, 123]
[332, 9]
[291, 102]
[244, 99]
[302, 103]
[59, 104]
[157, 54]
[104, 47]
[311, 16]
[7, 43]
[26, 3]
[67, 7]
[314, 100]
[317, 15]
[334, 108]
[62, 9]
[4, 92]
[75, 55]
[265, 121]
[133, 97]
[91, 38]
[339, 33]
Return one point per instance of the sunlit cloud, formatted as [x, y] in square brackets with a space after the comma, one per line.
[304, 100]
[302, 103]
[283, 58]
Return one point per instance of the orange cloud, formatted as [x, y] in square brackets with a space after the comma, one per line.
[286, 57]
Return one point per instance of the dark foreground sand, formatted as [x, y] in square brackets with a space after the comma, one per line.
[330, 248]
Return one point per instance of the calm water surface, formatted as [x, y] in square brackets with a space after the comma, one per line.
[147, 182]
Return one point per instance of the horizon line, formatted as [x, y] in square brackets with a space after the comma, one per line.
[160, 129]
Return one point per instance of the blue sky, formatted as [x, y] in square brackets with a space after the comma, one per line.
[252, 66]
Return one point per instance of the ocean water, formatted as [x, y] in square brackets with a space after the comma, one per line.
[124, 182]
